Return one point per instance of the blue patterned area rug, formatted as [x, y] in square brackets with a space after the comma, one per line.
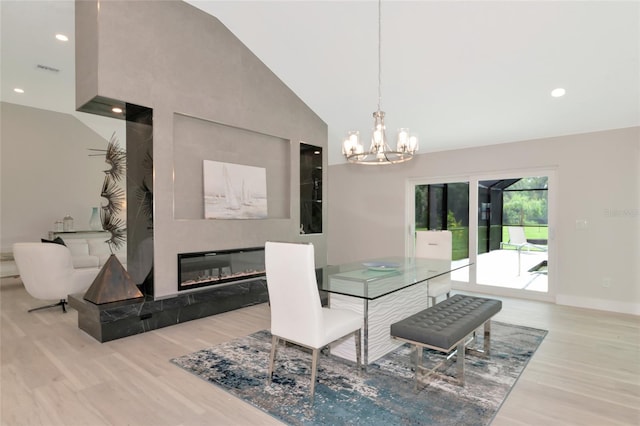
[384, 395]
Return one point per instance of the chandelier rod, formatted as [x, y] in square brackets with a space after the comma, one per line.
[379, 153]
[379, 53]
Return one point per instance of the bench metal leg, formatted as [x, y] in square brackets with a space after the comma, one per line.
[460, 362]
[417, 353]
[422, 373]
[487, 338]
[486, 346]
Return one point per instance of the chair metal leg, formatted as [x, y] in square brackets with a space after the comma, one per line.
[314, 371]
[433, 299]
[272, 357]
[315, 355]
[62, 303]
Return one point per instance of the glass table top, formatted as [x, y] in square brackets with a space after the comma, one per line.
[378, 277]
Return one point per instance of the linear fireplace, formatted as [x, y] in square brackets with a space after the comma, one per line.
[220, 267]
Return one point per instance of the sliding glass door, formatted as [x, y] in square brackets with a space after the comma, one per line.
[513, 233]
[445, 206]
[499, 222]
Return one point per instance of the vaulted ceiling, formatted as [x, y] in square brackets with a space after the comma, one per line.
[459, 74]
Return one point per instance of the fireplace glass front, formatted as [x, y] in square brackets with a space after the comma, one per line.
[209, 268]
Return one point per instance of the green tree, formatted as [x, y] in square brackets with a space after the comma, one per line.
[421, 206]
[525, 208]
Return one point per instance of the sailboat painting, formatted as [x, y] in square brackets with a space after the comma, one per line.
[234, 191]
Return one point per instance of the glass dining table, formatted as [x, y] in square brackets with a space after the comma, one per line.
[384, 291]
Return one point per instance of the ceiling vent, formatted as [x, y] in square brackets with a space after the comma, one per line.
[47, 68]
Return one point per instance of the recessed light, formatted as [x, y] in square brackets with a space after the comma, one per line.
[62, 37]
[117, 110]
[18, 90]
[556, 93]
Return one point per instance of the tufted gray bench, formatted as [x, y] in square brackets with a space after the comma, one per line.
[446, 326]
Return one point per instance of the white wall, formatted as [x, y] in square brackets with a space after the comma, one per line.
[46, 172]
[598, 179]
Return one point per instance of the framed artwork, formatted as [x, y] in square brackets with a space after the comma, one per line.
[234, 191]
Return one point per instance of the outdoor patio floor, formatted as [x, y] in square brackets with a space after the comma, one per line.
[499, 268]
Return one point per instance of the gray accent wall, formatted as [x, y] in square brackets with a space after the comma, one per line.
[198, 78]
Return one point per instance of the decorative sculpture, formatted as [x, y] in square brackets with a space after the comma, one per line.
[113, 283]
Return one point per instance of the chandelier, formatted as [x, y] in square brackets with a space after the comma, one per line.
[379, 152]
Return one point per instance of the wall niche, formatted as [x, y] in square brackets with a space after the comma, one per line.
[310, 189]
[196, 140]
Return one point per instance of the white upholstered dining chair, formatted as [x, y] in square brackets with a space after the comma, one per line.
[297, 315]
[436, 245]
[47, 272]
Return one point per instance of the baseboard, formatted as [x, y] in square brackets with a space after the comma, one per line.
[6, 282]
[8, 268]
[598, 304]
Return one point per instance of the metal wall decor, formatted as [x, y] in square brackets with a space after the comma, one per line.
[113, 193]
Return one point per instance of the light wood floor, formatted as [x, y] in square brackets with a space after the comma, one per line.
[586, 372]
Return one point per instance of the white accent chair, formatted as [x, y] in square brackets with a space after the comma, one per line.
[93, 252]
[47, 272]
[435, 245]
[297, 315]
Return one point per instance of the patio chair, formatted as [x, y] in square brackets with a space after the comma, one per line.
[518, 240]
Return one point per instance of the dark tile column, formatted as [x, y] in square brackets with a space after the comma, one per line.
[140, 196]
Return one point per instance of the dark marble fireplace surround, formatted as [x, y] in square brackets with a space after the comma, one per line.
[121, 319]
[237, 282]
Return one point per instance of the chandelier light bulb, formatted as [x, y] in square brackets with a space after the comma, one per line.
[351, 144]
[347, 148]
[403, 139]
[377, 137]
[413, 143]
[407, 143]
